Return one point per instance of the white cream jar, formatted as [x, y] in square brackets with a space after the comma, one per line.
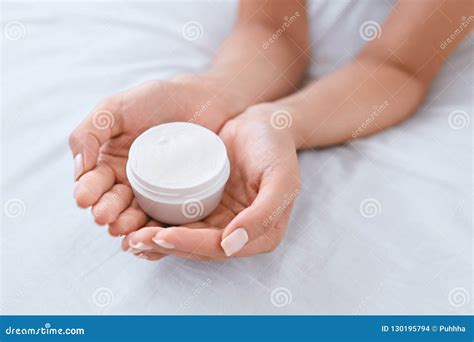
[178, 172]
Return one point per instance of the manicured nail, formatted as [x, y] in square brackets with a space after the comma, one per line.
[163, 243]
[142, 256]
[78, 166]
[132, 250]
[235, 241]
[140, 246]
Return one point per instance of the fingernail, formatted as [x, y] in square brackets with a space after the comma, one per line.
[78, 166]
[235, 241]
[140, 246]
[132, 250]
[142, 256]
[163, 243]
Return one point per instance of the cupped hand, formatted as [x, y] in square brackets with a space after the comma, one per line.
[101, 143]
[257, 201]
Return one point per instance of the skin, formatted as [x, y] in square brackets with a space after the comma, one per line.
[398, 67]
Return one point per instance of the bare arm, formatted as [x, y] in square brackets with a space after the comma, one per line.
[263, 59]
[387, 81]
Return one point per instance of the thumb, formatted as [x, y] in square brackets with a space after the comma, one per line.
[277, 192]
[102, 124]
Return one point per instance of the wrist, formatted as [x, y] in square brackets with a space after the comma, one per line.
[205, 100]
[269, 116]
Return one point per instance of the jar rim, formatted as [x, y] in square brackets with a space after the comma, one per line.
[204, 188]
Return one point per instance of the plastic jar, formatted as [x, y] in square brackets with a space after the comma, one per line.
[178, 172]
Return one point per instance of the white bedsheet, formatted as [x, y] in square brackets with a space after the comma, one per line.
[414, 257]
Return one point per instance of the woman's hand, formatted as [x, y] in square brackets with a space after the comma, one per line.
[101, 143]
[257, 202]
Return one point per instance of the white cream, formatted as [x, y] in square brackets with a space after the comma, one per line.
[178, 172]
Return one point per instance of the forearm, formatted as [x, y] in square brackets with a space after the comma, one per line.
[264, 58]
[249, 73]
[387, 81]
[360, 99]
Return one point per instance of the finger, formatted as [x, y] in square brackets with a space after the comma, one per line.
[143, 241]
[269, 241]
[278, 189]
[128, 221]
[200, 241]
[112, 203]
[93, 184]
[150, 256]
[85, 141]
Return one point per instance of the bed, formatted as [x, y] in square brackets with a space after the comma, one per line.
[383, 225]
